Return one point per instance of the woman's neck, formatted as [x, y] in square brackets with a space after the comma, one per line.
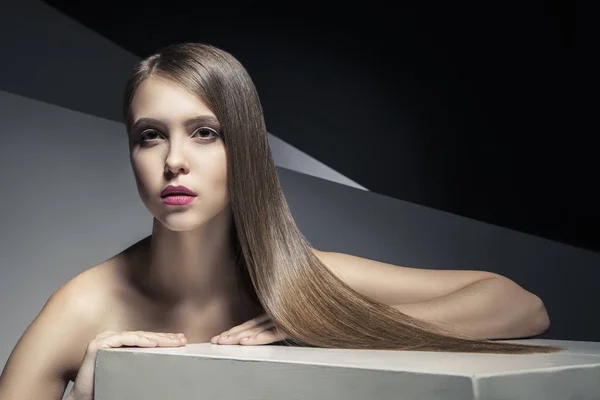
[188, 268]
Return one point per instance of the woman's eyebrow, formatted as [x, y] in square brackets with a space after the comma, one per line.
[206, 119]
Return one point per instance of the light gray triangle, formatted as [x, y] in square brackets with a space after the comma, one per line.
[287, 156]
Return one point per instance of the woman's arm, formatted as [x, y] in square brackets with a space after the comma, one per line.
[51, 349]
[482, 304]
[495, 308]
[394, 284]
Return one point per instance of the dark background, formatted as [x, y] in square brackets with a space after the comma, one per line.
[470, 109]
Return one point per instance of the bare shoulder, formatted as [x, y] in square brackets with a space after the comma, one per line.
[51, 349]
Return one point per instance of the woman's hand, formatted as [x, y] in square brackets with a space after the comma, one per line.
[83, 387]
[259, 330]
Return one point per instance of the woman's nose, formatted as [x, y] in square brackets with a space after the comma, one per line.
[176, 161]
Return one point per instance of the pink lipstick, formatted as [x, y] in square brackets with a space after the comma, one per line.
[177, 195]
[178, 200]
[176, 190]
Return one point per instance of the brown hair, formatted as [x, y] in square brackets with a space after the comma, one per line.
[299, 293]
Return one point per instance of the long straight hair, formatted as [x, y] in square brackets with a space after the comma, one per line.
[303, 298]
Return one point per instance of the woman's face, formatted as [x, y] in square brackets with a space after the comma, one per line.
[173, 142]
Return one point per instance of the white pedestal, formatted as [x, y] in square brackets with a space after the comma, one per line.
[207, 371]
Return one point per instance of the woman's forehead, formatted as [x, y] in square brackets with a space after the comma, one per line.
[159, 98]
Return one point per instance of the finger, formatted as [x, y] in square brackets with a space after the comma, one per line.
[166, 338]
[165, 334]
[127, 339]
[265, 337]
[229, 334]
[168, 334]
[233, 338]
[236, 337]
[254, 322]
[141, 340]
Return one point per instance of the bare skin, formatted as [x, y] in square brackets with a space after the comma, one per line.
[134, 309]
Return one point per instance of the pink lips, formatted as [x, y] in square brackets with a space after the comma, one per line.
[176, 200]
[177, 195]
[176, 190]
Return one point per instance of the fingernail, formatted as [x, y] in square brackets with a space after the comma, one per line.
[245, 339]
[225, 337]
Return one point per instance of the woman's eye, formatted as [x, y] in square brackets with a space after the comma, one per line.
[206, 133]
[144, 136]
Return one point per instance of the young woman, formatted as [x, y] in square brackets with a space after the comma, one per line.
[226, 262]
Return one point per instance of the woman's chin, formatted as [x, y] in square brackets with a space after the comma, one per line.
[179, 222]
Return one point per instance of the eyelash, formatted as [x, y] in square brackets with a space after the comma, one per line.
[140, 137]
